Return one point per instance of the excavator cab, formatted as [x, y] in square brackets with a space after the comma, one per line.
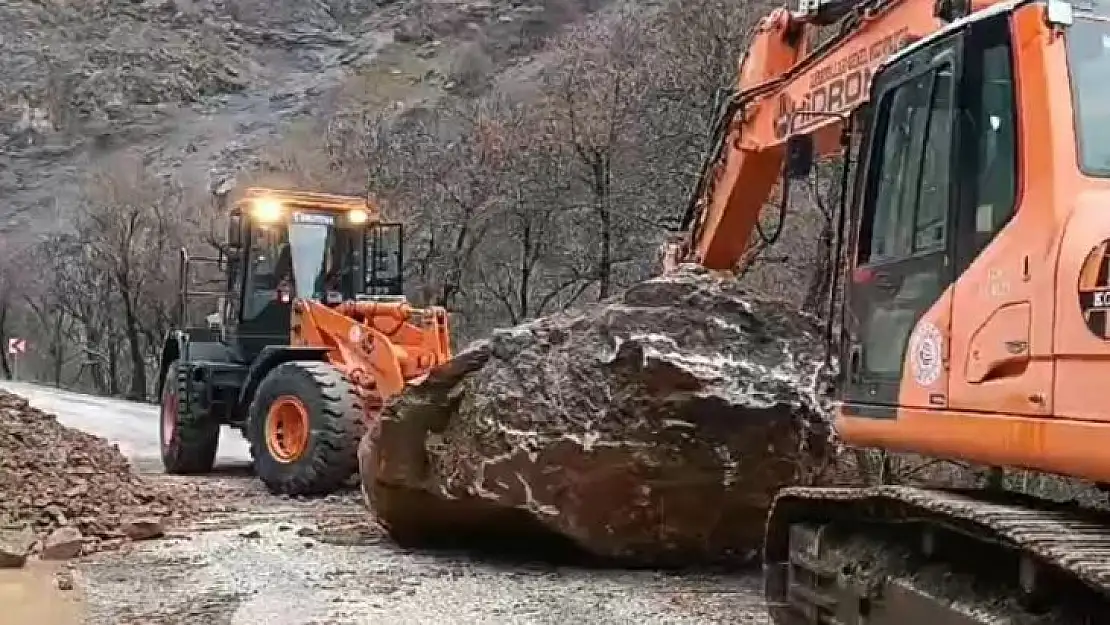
[967, 177]
[975, 318]
[974, 321]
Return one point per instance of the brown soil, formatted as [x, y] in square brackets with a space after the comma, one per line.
[31, 595]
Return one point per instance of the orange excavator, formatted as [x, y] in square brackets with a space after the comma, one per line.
[312, 334]
[973, 239]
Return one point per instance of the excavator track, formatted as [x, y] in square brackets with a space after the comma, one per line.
[916, 556]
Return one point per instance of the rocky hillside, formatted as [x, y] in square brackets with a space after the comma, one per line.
[198, 87]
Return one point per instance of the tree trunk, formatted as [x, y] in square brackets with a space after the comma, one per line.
[605, 276]
[57, 349]
[602, 190]
[96, 360]
[113, 370]
[525, 266]
[135, 349]
[5, 364]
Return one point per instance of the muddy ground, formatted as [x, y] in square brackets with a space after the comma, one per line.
[256, 558]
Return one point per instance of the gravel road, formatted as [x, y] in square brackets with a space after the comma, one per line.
[257, 558]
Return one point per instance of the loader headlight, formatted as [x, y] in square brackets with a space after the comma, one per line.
[267, 210]
[358, 216]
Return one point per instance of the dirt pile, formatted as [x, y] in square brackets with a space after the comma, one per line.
[64, 493]
[651, 429]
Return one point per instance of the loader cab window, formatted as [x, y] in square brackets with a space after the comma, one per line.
[385, 259]
[309, 258]
[270, 269]
[326, 259]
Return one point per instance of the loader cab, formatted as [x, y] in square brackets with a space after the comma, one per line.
[286, 247]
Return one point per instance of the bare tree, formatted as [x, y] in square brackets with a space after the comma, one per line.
[127, 223]
[597, 88]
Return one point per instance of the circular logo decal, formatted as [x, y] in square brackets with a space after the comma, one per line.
[925, 354]
[1094, 290]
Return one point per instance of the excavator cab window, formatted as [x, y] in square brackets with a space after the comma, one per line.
[910, 210]
[906, 197]
[988, 116]
[1088, 44]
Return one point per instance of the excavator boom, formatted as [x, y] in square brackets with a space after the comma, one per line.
[975, 315]
[789, 90]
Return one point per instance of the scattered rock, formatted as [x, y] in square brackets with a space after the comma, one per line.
[611, 426]
[252, 534]
[64, 580]
[72, 488]
[15, 546]
[62, 544]
[144, 529]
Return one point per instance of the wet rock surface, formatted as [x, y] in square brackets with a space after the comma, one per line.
[70, 492]
[651, 429]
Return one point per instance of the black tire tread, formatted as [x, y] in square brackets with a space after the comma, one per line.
[198, 436]
[332, 457]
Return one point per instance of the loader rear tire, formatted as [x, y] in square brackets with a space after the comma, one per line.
[304, 429]
[189, 438]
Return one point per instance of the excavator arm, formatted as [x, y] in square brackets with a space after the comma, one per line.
[792, 102]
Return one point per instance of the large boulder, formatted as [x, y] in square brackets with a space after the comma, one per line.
[653, 429]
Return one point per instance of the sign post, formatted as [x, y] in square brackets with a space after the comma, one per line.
[16, 347]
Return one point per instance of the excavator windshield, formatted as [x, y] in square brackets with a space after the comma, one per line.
[1088, 42]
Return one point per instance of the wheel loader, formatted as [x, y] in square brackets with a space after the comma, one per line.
[311, 334]
[973, 236]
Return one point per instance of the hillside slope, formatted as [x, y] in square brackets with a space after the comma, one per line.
[198, 87]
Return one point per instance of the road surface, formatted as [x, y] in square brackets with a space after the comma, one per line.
[257, 558]
[131, 425]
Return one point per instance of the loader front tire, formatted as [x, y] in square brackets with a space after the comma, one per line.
[189, 438]
[304, 428]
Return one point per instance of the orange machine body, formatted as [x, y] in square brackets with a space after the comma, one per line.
[1005, 366]
[1025, 349]
[381, 347]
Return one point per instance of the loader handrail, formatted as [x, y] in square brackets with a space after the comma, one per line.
[183, 294]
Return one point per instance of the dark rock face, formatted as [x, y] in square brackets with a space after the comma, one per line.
[652, 429]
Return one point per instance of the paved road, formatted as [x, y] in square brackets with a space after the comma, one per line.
[257, 558]
[131, 425]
